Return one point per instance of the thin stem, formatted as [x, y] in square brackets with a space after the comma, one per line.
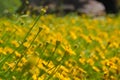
[29, 31]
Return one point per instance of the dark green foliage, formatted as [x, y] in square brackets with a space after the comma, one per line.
[8, 6]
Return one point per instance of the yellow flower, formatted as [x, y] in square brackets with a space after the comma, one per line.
[8, 50]
[60, 76]
[60, 52]
[69, 50]
[113, 78]
[102, 55]
[11, 65]
[104, 68]
[26, 44]
[86, 38]
[41, 66]
[34, 77]
[19, 69]
[73, 35]
[114, 45]
[15, 43]
[14, 78]
[109, 20]
[90, 61]
[1, 41]
[42, 77]
[50, 65]
[82, 60]
[95, 68]
[1, 49]
[4, 67]
[23, 60]
[73, 21]
[20, 64]
[82, 70]
[95, 57]
[34, 70]
[66, 78]
[17, 54]
[76, 78]
[64, 68]
[113, 66]
[67, 63]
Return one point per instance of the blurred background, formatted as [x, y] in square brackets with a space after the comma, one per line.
[93, 7]
[9, 6]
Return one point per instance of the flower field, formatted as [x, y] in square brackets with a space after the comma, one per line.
[60, 48]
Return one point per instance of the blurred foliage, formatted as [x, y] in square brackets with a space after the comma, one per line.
[8, 6]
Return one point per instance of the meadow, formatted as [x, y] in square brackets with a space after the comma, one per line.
[60, 48]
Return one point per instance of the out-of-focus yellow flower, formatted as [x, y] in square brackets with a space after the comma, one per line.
[4, 67]
[30, 38]
[66, 78]
[42, 77]
[82, 70]
[11, 65]
[8, 50]
[17, 54]
[90, 61]
[82, 60]
[73, 21]
[19, 69]
[60, 76]
[73, 35]
[114, 45]
[86, 38]
[29, 52]
[1, 41]
[96, 69]
[20, 64]
[15, 43]
[104, 68]
[60, 52]
[46, 29]
[113, 66]
[109, 20]
[95, 57]
[76, 78]
[68, 50]
[106, 75]
[26, 44]
[64, 68]
[24, 60]
[113, 78]
[34, 77]
[50, 65]
[68, 64]
[14, 78]
[101, 55]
